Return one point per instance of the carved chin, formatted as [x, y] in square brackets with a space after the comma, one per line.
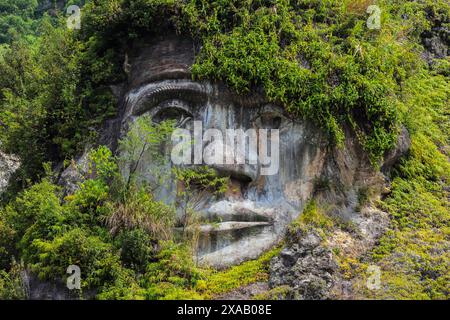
[237, 229]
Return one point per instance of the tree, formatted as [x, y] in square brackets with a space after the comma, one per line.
[146, 141]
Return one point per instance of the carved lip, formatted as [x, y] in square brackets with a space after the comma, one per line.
[227, 215]
[229, 226]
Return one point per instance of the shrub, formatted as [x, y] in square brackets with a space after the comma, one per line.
[33, 205]
[312, 217]
[137, 249]
[173, 272]
[11, 284]
[75, 247]
[141, 210]
[219, 282]
[7, 244]
[35, 214]
[125, 287]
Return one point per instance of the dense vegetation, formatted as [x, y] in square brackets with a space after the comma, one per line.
[414, 255]
[317, 58]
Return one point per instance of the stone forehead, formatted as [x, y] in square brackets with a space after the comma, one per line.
[160, 58]
[170, 57]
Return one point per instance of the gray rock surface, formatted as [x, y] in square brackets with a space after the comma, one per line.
[401, 148]
[8, 165]
[437, 42]
[305, 265]
[37, 289]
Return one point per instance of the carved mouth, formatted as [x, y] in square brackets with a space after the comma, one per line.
[228, 215]
[239, 215]
[240, 234]
[231, 225]
[236, 230]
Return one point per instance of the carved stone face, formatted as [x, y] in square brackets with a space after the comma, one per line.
[251, 216]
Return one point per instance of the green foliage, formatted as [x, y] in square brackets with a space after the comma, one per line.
[46, 108]
[124, 287]
[7, 244]
[89, 205]
[174, 275]
[36, 213]
[145, 140]
[34, 208]
[219, 282]
[102, 164]
[11, 283]
[201, 178]
[39, 106]
[50, 234]
[316, 58]
[16, 18]
[363, 197]
[412, 255]
[140, 210]
[312, 217]
[277, 293]
[74, 247]
[91, 195]
[319, 70]
[137, 249]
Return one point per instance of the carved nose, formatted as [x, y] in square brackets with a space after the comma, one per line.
[237, 163]
[242, 172]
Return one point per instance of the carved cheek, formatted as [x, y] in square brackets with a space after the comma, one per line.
[298, 190]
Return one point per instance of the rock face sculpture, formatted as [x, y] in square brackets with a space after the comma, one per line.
[252, 216]
[249, 219]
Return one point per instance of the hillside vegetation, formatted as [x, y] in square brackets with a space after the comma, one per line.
[316, 58]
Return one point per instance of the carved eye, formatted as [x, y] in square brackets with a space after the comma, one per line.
[173, 110]
[269, 120]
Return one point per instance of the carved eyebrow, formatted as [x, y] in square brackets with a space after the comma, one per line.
[156, 75]
[175, 73]
[150, 95]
